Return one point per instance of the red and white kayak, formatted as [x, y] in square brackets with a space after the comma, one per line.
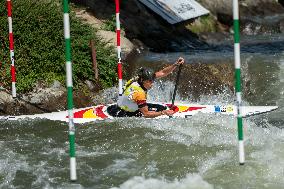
[95, 113]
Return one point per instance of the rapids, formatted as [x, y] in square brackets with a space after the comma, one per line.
[199, 152]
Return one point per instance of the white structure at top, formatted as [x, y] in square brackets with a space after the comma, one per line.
[175, 11]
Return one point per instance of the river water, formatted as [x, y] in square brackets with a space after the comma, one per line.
[199, 152]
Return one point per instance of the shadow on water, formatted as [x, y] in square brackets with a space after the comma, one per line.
[257, 47]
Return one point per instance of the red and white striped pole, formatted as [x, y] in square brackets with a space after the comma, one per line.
[119, 64]
[11, 40]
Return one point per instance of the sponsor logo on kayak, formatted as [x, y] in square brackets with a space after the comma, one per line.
[227, 109]
[96, 112]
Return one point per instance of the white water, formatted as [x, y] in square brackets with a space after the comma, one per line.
[199, 152]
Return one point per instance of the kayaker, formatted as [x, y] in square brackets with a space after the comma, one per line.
[133, 101]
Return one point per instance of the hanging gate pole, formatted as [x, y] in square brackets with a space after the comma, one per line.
[119, 64]
[238, 80]
[11, 41]
[69, 82]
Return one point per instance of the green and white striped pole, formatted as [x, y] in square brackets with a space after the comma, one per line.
[69, 82]
[238, 80]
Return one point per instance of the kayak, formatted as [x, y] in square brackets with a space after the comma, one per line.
[100, 112]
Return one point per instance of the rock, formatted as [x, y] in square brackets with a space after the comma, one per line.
[43, 95]
[88, 18]
[247, 7]
[10, 105]
[281, 2]
[90, 85]
[106, 96]
[216, 38]
[217, 6]
[281, 26]
[41, 100]
[251, 28]
[110, 37]
[225, 18]
[256, 16]
[2, 108]
[56, 85]
[5, 97]
[206, 79]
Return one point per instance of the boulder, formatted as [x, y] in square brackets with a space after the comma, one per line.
[107, 36]
[256, 16]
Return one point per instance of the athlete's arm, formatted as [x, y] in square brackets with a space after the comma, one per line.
[151, 114]
[167, 70]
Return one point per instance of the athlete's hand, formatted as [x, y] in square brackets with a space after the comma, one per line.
[173, 107]
[168, 112]
[179, 61]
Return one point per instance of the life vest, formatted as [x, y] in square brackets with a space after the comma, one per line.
[133, 97]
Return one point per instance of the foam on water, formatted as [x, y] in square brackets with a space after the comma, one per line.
[9, 164]
[191, 181]
[203, 129]
[269, 152]
[205, 145]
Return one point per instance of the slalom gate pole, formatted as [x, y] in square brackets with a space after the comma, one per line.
[11, 41]
[238, 80]
[119, 64]
[69, 83]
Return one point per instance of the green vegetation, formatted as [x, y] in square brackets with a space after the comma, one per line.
[204, 23]
[110, 25]
[40, 49]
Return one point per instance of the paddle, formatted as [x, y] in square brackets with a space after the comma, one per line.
[175, 89]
